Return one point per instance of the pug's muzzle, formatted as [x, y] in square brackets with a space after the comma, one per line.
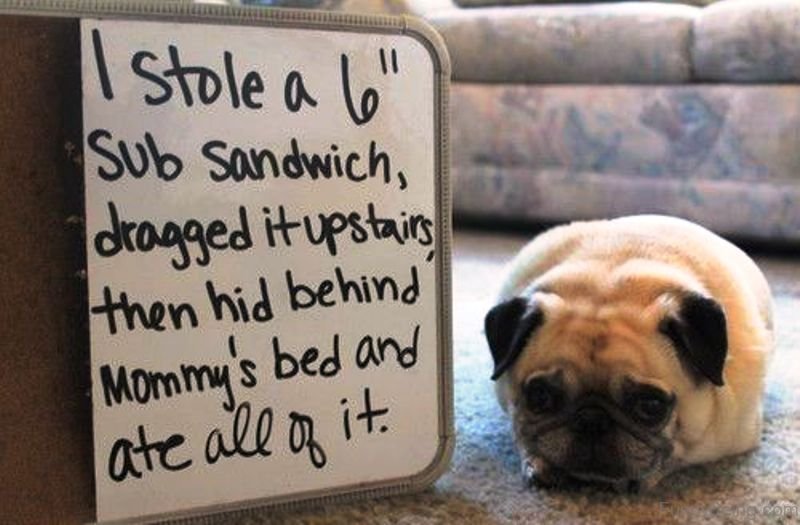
[594, 441]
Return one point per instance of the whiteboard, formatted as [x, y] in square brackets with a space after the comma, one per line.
[268, 256]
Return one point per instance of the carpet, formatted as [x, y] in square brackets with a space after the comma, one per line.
[484, 485]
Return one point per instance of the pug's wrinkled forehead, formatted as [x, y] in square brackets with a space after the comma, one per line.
[598, 343]
[578, 337]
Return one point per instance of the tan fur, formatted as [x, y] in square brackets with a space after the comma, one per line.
[604, 287]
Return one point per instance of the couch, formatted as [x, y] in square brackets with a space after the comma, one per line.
[565, 111]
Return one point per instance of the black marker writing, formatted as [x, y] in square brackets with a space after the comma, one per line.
[372, 351]
[217, 446]
[136, 315]
[237, 310]
[384, 66]
[295, 93]
[325, 228]
[369, 98]
[346, 420]
[207, 86]
[301, 435]
[142, 386]
[167, 165]
[328, 229]
[243, 164]
[102, 68]
[282, 226]
[122, 460]
[342, 290]
[288, 366]
[246, 366]
[368, 416]
[144, 236]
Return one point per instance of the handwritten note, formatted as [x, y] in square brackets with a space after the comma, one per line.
[262, 255]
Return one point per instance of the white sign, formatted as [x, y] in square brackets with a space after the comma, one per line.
[262, 238]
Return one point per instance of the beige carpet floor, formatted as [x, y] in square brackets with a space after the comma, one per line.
[483, 484]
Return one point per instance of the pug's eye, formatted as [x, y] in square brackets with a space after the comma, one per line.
[650, 409]
[541, 396]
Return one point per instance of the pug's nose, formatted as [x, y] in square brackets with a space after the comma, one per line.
[591, 421]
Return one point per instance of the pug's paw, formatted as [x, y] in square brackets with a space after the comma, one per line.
[637, 486]
[537, 473]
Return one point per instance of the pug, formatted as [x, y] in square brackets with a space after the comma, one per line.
[626, 349]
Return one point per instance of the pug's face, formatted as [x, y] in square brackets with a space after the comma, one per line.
[610, 436]
[595, 391]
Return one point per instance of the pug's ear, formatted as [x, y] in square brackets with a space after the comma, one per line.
[699, 333]
[508, 327]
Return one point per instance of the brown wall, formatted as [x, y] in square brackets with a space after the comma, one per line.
[45, 411]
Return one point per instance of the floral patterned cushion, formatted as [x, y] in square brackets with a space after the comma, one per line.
[484, 3]
[748, 41]
[624, 42]
[724, 156]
